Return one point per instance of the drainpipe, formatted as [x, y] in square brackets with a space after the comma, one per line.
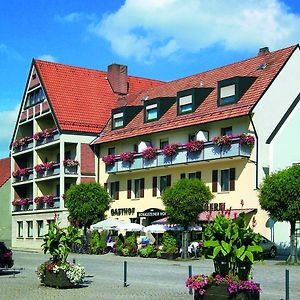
[256, 137]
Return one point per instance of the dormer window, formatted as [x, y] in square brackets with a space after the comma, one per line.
[118, 120]
[227, 94]
[231, 90]
[151, 112]
[185, 104]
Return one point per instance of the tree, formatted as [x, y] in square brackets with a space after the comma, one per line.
[87, 203]
[279, 195]
[184, 201]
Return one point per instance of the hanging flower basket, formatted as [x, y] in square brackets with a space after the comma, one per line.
[109, 159]
[149, 153]
[127, 156]
[194, 146]
[170, 150]
[223, 141]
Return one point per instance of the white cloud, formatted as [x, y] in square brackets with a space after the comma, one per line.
[74, 17]
[7, 124]
[47, 57]
[152, 29]
[10, 52]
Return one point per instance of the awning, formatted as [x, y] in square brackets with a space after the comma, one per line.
[210, 215]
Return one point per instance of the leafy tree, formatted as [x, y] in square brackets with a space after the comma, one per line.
[87, 203]
[184, 201]
[280, 196]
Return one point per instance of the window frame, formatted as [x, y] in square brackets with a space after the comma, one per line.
[40, 229]
[148, 108]
[29, 229]
[20, 225]
[116, 116]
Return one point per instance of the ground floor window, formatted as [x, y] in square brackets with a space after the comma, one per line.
[20, 228]
[40, 228]
[29, 228]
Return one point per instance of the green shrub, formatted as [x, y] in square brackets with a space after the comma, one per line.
[169, 243]
[147, 251]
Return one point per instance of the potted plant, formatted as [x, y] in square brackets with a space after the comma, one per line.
[58, 272]
[147, 251]
[169, 249]
[127, 156]
[234, 248]
[170, 150]
[109, 159]
[70, 165]
[39, 200]
[194, 146]
[223, 141]
[48, 199]
[246, 139]
[149, 153]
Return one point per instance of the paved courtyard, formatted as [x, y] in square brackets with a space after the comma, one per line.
[148, 279]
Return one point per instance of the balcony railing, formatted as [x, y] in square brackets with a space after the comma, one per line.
[24, 177]
[210, 151]
[48, 139]
[19, 206]
[71, 170]
[19, 147]
[54, 170]
[43, 205]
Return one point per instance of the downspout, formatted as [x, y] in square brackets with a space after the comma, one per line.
[256, 137]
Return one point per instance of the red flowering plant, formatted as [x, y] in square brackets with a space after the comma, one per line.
[127, 156]
[39, 200]
[109, 159]
[16, 202]
[48, 199]
[149, 152]
[24, 201]
[170, 150]
[38, 136]
[48, 132]
[246, 139]
[48, 165]
[70, 162]
[16, 174]
[40, 168]
[21, 142]
[194, 146]
[224, 140]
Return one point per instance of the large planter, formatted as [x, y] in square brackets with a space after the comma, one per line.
[220, 292]
[166, 255]
[58, 279]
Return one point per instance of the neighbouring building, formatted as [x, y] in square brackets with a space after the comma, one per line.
[5, 202]
[257, 97]
[62, 111]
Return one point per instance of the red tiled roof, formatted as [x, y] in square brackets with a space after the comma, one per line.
[82, 99]
[4, 170]
[208, 110]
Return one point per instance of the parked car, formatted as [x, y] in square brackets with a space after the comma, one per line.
[269, 248]
[6, 259]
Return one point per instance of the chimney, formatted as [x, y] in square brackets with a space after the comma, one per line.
[118, 78]
[263, 51]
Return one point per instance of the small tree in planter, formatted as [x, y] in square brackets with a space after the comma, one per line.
[58, 272]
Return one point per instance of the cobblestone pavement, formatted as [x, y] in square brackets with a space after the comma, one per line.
[151, 278]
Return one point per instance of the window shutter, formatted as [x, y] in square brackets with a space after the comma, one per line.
[232, 179]
[105, 185]
[198, 175]
[129, 189]
[182, 175]
[142, 187]
[117, 190]
[154, 186]
[168, 180]
[215, 180]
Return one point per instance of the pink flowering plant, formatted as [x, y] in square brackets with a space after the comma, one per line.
[49, 132]
[170, 150]
[70, 163]
[39, 200]
[48, 199]
[20, 142]
[194, 146]
[246, 139]
[109, 159]
[149, 152]
[223, 141]
[40, 168]
[127, 156]
[198, 283]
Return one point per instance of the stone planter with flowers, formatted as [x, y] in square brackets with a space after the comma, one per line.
[234, 248]
[58, 272]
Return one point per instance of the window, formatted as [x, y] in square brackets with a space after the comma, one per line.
[185, 104]
[151, 112]
[20, 228]
[29, 228]
[111, 151]
[57, 190]
[139, 188]
[136, 148]
[68, 155]
[118, 120]
[114, 190]
[35, 97]
[227, 94]
[165, 182]
[223, 180]
[40, 228]
[195, 175]
[163, 143]
[192, 137]
[226, 131]
[49, 222]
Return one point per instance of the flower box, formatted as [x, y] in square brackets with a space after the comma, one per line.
[71, 169]
[58, 279]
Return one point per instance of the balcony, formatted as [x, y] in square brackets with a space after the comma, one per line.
[209, 152]
[44, 170]
[24, 204]
[22, 175]
[22, 145]
[47, 202]
[46, 136]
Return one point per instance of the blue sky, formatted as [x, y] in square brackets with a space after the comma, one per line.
[161, 39]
